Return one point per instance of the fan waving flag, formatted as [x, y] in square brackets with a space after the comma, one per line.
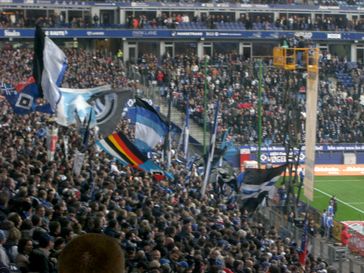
[120, 147]
[257, 183]
[104, 103]
[49, 66]
[150, 128]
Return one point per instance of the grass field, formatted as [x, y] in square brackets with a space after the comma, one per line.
[349, 192]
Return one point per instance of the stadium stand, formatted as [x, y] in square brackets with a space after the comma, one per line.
[167, 226]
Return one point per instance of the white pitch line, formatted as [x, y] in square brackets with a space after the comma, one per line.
[341, 201]
[351, 180]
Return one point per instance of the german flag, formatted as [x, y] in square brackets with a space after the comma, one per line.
[120, 147]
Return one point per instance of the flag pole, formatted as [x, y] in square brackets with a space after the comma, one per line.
[212, 150]
[167, 143]
[205, 109]
[187, 128]
[260, 78]
[223, 145]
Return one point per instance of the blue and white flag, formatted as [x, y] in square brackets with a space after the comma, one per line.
[49, 67]
[150, 128]
[76, 102]
[257, 181]
[256, 185]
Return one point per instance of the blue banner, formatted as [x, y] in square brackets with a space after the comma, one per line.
[319, 148]
[325, 154]
[181, 34]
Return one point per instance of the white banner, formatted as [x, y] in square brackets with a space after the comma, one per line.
[78, 162]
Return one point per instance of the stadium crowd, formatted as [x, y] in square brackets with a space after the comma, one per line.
[184, 20]
[246, 22]
[165, 226]
[232, 80]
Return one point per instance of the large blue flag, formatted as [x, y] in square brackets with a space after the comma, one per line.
[25, 101]
[150, 127]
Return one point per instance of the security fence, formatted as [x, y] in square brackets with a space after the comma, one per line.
[329, 250]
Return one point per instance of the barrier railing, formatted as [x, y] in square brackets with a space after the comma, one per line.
[329, 250]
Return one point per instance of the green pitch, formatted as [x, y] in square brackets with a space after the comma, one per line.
[349, 192]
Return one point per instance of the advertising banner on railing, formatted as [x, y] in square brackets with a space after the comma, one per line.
[277, 154]
[319, 148]
[339, 170]
[184, 5]
[179, 34]
[356, 242]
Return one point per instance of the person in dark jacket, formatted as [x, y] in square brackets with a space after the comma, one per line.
[39, 260]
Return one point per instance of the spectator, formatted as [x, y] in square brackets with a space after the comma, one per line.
[39, 260]
[25, 247]
[4, 259]
[170, 217]
[345, 236]
[92, 253]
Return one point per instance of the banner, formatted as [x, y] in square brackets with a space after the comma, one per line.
[318, 148]
[65, 143]
[181, 34]
[168, 5]
[78, 162]
[244, 156]
[52, 141]
[339, 170]
[356, 242]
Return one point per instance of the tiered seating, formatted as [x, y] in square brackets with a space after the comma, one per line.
[230, 26]
[191, 25]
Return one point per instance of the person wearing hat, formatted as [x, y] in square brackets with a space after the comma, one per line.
[182, 266]
[39, 260]
[92, 253]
